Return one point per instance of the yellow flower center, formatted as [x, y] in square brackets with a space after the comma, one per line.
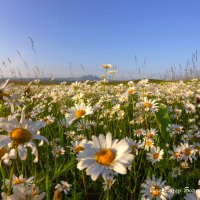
[105, 156]
[45, 119]
[133, 147]
[58, 152]
[79, 113]
[155, 155]
[178, 129]
[18, 181]
[147, 105]
[78, 149]
[130, 91]
[64, 187]
[189, 108]
[140, 119]
[149, 135]
[187, 151]
[143, 95]
[2, 152]
[138, 132]
[116, 108]
[80, 138]
[184, 165]
[20, 135]
[155, 191]
[176, 154]
[106, 66]
[148, 143]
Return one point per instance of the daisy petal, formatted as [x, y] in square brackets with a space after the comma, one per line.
[39, 137]
[122, 146]
[95, 141]
[34, 126]
[96, 171]
[4, 140]
[119, 168]
[108, 140]
[85, 163]
[22, 152]
[8, 124]
[102, 141]
[13, 154]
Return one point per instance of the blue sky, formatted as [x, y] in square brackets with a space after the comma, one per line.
[164, 33]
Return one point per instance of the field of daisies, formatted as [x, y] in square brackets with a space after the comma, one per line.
[98, 140]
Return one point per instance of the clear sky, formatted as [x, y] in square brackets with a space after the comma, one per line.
[159, 33]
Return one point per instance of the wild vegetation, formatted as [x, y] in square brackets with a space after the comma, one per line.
[100, 141]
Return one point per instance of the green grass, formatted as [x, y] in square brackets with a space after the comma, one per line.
[50, 170]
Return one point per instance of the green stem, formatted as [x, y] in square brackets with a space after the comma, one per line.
[83, 177]
[107, 194]
[10, 179]
[3, 177]
[47, 174]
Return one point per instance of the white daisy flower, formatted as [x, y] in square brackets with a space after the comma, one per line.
[134, 146]
[193, 196]
[21, 135]
[78, 111]
[103, 155]
[24, 192]
[150, 133]
[155, 155]
[106, 66]
[155, 188]
[139, 132]
[143, 82]
[184, 165]
[190, 108]
[70, 134]
[78, 98]
[150, 105]
[116, 107]
[48, 119]
[176, 153]
[187, 152]
[123, 98]
[78, 145]
[131, 90]
[175, 129]
[64, 186]
[58, 151]
[17, 181]
[147, 144]
[131, 83]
